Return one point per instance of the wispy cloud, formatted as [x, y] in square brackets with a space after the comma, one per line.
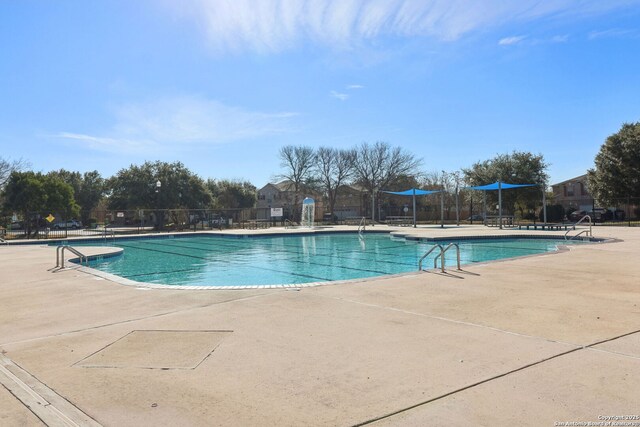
[352, 87]
[102, 143]
[171, 123]
[560, 39]
[508, 41]
[338, 95]
[614, 33]
[276, 25]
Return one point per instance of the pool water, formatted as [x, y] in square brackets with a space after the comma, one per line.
[277, 260]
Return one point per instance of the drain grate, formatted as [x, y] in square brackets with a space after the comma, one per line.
[156, 349]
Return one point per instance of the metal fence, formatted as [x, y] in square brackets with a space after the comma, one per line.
[51, 225]
[623, 212]
[47, 225]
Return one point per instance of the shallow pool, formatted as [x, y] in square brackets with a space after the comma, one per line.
[298, 259]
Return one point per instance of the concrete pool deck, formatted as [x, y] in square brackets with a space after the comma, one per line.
[531, 341]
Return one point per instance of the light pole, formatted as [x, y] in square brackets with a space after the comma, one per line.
[373, 206]
[444, 178]
[456, 176]
[158, 185]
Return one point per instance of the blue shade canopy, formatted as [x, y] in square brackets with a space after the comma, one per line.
[499, 185]
[412, 192]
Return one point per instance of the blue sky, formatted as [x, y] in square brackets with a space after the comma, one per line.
[221, 85]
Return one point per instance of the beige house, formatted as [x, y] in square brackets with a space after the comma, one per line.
[573, 193]
[282, 196]
[350, 203]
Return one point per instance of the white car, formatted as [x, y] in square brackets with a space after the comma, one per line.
[72, 223]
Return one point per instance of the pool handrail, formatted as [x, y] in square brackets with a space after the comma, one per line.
[588, 232]
[441, 256]
[60, 255]
[288, 223]
[581, 232]
[362, 226]
[434, 247]
[4, 242]
[110, 233]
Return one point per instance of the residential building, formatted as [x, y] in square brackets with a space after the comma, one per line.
[351, 202]
[281, 195]
[574, 194]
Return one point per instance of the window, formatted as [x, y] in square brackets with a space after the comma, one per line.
[569, 190]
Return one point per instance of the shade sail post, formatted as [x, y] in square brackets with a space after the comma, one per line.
[500, 203]
[414, 208]
[484, 208]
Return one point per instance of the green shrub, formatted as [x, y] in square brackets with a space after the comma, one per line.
[555, 213]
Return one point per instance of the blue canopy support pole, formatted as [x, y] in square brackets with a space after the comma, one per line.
[500, 204]
[484, 208]
[414, 208]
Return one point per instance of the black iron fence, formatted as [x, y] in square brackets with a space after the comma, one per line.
[623, 212]
[48, 225]
[52, 225]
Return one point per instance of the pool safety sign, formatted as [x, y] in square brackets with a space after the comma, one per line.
[276, 212]
[50, 218]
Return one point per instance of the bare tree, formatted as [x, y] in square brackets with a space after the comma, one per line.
[298, 162]
[6, 167]
[451, 183]
[333, 168]
[379, 164]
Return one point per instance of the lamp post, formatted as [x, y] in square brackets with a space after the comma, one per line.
[456, 176]
[373, 206]
[444, 178]
[158, 185]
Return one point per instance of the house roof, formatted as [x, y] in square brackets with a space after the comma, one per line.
[581, 178]
[285, 185]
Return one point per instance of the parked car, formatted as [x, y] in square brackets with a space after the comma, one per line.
[476, 217]
[72, 223]
[217, 221]
[576, 216]
[596, 215]
[619, 215]
[601, 214]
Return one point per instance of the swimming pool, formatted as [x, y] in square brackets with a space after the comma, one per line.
[217, 261]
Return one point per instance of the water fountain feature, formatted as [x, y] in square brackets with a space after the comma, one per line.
[308, 212]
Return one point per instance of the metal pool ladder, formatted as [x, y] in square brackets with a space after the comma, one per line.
[449, 246]
[60, 255]
[440, 255]
[362, 226]
[433, 248]
[588, 232]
